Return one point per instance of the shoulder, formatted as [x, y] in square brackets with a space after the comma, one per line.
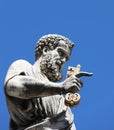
[20, 62]
[18, 67]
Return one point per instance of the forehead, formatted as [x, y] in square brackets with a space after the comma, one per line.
[63, 45]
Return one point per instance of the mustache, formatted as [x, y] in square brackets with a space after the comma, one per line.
[60, 63]
[52, 64]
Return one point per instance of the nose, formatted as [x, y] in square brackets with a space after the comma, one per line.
[63, 60]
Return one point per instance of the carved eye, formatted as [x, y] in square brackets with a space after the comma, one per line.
[61, 53]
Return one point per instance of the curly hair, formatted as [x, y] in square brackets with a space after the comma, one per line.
[51, 41]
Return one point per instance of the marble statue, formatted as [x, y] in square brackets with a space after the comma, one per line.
[34, 96]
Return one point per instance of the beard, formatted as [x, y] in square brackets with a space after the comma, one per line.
[51, 68]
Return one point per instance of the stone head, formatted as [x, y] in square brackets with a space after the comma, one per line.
[55, 50]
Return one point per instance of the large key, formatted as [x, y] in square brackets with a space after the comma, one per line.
[72, 99]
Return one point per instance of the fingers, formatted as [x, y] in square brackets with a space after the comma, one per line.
[77, 84]
[73, 83]
[77, 80]
[80, 74]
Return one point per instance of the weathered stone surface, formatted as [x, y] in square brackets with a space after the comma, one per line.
[34, 97]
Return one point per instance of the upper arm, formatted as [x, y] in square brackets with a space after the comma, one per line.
[17, 69]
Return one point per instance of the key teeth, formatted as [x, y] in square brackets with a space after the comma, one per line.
[79, 66]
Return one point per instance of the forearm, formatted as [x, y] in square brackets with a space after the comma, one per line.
[28, 87]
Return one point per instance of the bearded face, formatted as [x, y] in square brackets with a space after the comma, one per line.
[51, 67]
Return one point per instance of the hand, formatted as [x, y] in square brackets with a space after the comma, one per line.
[73, 83]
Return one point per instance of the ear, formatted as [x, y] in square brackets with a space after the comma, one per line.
[45, 50]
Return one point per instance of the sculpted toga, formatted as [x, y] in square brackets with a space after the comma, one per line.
[34, 97]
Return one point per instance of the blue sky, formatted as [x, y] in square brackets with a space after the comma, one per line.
[90, 25]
